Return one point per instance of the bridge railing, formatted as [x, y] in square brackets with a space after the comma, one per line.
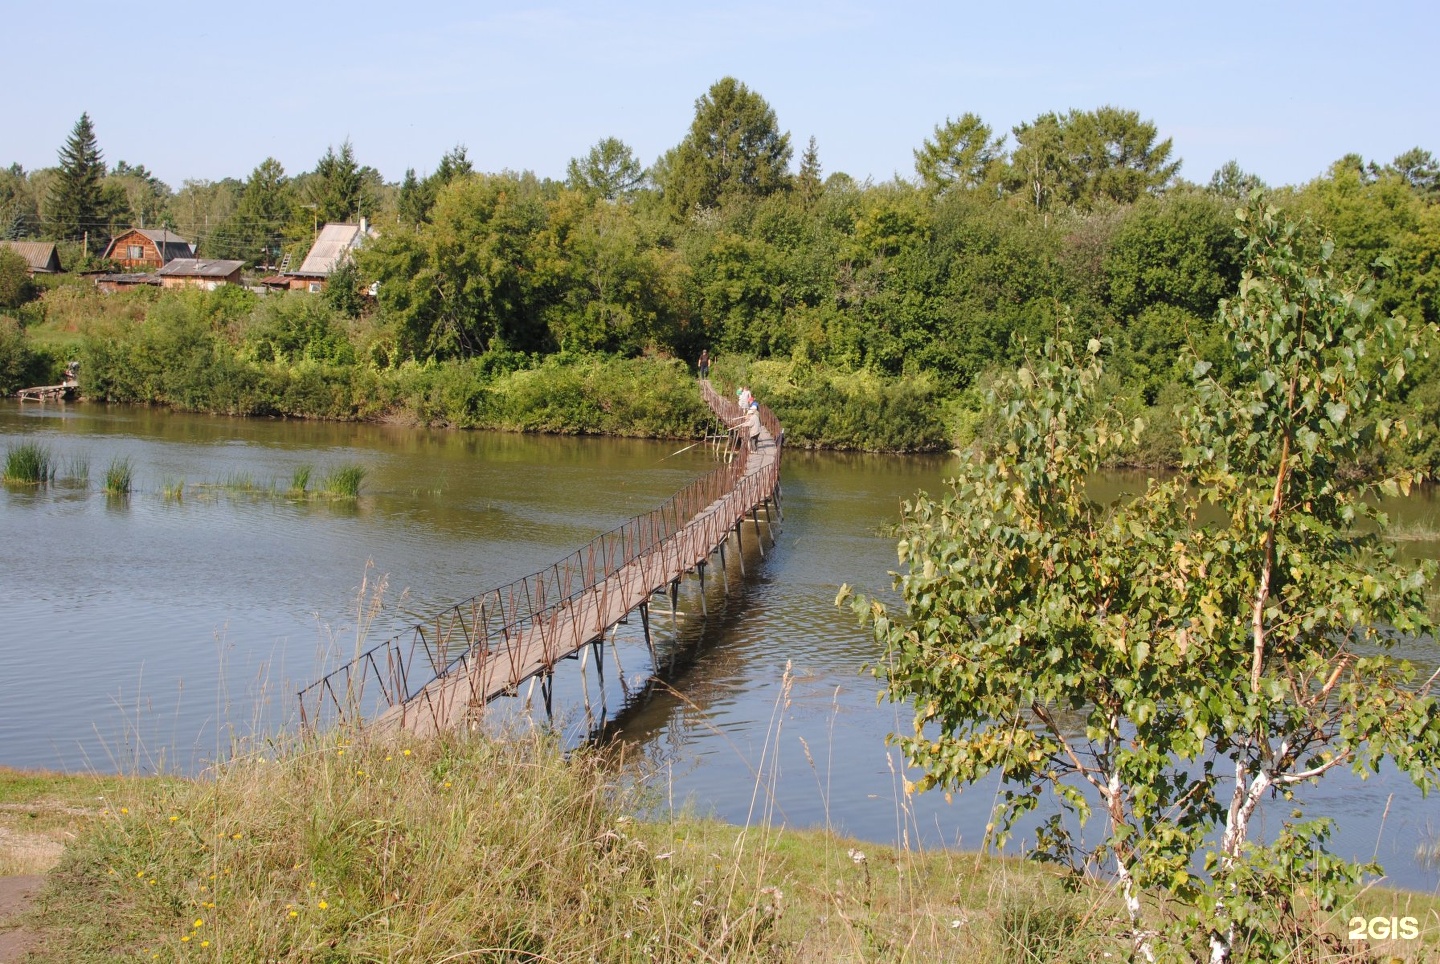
[479, 632]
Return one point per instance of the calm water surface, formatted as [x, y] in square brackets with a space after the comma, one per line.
[142, 633]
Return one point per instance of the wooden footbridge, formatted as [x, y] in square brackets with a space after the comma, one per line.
[441, 674]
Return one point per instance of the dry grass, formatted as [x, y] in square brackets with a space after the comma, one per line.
[475, 849]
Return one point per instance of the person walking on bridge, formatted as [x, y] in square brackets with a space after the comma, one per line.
[704, 363]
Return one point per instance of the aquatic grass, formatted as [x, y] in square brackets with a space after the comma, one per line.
[173, 490]
[1427, 853]
[238, 482]
[300, 479]
[76, 471]
[1419, 530]
[343, 482]
[120, 476]
[28, 463]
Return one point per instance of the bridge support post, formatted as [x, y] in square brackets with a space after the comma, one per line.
[645, 623]
[547, 689]
[769, 524]
[674, 598]
[700, 570]
[755, 518]
[724, 568]
[740, 546]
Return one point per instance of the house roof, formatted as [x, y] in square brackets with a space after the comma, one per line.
[126, 278]
[333, 244]
[199, 268]
[39, 255]
[168, 243]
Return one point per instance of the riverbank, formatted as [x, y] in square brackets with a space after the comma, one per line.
[476, 849]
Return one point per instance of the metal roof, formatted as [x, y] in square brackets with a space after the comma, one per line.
[39, 255]
[168, 243]
[199, 268]
[334, 243]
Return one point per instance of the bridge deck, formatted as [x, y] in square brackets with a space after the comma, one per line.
[497, 660]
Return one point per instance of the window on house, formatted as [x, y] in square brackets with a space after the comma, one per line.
[134, 252]
[316, 287]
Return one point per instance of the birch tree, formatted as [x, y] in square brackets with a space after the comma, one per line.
[1169, 662]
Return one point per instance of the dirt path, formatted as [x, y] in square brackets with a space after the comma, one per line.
[16, 896]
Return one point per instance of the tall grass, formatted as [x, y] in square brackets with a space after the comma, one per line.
[28, 463]
[76, 471]
[343, 482]
[471, 848]
[300, 479]
[120, 476]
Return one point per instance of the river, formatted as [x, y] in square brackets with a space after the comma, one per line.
[150, 632]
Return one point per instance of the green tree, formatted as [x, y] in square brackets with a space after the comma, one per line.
[1164, 665]
[1420, 170]
[605, 287]
[1234, 183]
[1179, 250]
[961, 156]
[19, 214]
[1084, 158]
[146, 196]
[734, 150]
[452, 287]
[16, 288]
[338, 187]
[76, 198]
[1041, 171]
[609, 169]
[201, 209]
[417, 197]
[808, 182]
[259, 225]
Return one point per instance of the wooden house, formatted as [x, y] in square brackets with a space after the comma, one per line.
[331, 248]
[200, 273]
[40, 256]
[146, 249]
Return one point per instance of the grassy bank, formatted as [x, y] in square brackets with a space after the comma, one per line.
[477, 850]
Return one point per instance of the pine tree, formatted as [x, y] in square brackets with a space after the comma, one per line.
[75, 201]
[807, 182]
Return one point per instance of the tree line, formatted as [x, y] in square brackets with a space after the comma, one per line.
[1078, 219]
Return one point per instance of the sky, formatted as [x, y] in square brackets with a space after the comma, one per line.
[208, 91]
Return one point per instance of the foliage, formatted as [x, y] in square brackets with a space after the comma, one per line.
[452, 286]
[75, 200]
[342, 290]
[19, 210]
[849, 411]
[609, 170]
[16, 287]
[1179, 250]
[1163, 667]
[260, 226]
[17, 360]
[337, 189]
[417, 197]
[734, 150]
[1085, 158]
[962, 156]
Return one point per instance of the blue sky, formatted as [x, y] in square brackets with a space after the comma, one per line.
[206, 91]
